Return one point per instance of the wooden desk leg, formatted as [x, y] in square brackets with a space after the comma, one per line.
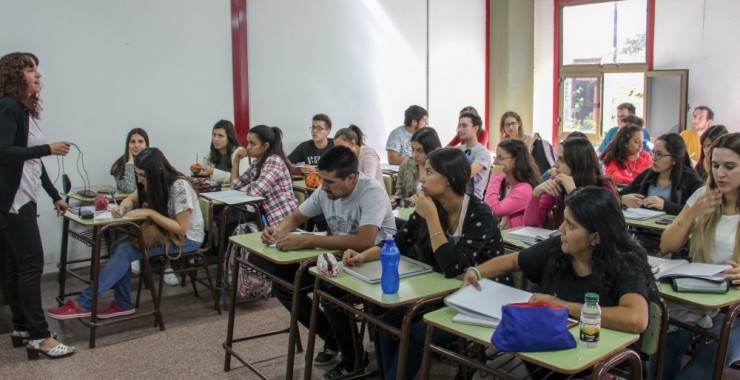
[724, 341]
[426, 358]
[308, 356]
[232, 312]
[293, 340]
[62, 275]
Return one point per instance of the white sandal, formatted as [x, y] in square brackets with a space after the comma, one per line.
[61, 350]
[19, 338]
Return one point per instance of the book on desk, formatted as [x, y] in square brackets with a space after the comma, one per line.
[641, 213]
[483, 307]
[665, 268]
[533, 234]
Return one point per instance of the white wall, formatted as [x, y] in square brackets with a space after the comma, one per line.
[697, 35]
[109, 66]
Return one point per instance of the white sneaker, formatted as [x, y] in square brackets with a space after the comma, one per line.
[170, 278]
[135, 267]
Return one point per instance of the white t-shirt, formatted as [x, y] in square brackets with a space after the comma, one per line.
[478, 155]
[183, 197]
[31, 179]
[399, 140]
[724, 238]
[367, 205]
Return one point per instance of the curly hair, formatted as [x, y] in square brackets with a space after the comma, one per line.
[518, 118]
[13, 83]
[617, 149]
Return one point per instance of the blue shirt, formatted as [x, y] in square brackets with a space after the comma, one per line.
[646, 144]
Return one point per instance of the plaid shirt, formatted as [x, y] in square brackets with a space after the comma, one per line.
[274, 184]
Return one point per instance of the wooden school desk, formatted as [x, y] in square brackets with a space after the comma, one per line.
[612, 345]
[650, 223]
[729, 300]
[413, 291]
[253, 244]
[94, 239]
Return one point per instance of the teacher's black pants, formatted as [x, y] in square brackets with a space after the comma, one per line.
[24, 264]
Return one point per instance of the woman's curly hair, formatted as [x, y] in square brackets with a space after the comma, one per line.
[13, 82]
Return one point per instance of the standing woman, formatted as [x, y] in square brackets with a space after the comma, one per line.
[513, 177]
[707, 138]
[511, 127]
[624, 158]
[449, 230]
[22, 144]
[172, 204]
[423, 142]
[123, 169]
[269, 176]
[575, 166]
[353, 138]
[711, 219]
[224, 149]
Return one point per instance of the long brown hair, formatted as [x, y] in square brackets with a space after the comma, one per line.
[13, 82]
[119, 167]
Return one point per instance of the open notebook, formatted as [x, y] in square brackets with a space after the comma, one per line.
[372, 271]
[483, 308]
[664, 268]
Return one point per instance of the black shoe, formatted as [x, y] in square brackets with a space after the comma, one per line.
[325, 357]
[342, 370]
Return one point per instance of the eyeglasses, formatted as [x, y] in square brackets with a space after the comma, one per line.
[659, 155]
[512, 124]
[315, 128]
[501, 158]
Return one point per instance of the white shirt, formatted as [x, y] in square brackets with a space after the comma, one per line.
[31, 179]
[724, 237]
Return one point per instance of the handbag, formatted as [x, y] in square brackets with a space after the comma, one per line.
[155, 236]
[533, 326]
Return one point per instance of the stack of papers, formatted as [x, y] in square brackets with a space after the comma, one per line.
[372, 271]
[641, 213]
[531, 234]
[483, 307]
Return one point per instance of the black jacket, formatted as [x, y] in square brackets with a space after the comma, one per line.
[14, 151]
[690, 181]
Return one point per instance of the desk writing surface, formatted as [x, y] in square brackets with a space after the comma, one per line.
[513, 241]
[411, 289]
[118, 196]
[302, 184]
[404, 212]
[565, 361]
[98, 222]
[253, 243]
[701, 300]
[650, 223]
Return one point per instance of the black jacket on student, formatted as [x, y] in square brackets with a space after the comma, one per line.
[14, 151]
[680, 192]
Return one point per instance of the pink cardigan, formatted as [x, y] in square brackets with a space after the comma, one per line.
[539, 207]
[513, 205]
[624, 176]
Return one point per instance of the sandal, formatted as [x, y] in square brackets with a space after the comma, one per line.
[20, 338]
[61, 350]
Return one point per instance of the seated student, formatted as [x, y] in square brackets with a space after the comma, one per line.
[668, 183]
[624, 158]
[353, 138]
[701, 119]
[575, 166]
[449, 230]
[468, 127]
[626, 116]
[712, 133]
[123, 169]
[511, 127]
[172, 204]
[595, 253]
[711, 219]
[359, 214]
[268, 177]
[397, 146]
[224, 149]
[513, 177]
[307, 154]
[423, 142]
[482, 135]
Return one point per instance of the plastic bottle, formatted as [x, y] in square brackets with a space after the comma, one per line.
[389, 259]
[590, 321]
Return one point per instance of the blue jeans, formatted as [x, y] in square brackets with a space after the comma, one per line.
[701, 365]
[389, 344]
[117, 273]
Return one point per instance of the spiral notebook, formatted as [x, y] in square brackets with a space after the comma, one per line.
[372, 271]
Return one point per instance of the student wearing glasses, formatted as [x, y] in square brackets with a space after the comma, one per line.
[511, 127]
[306, 155]
[513, 176]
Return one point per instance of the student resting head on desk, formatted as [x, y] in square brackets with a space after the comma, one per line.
[575, 166]
[359, 215]
[710, 218]
[123, 169]
[450, 230]
[595, 253]
[172, 204]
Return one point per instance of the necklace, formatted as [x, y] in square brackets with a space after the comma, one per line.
[632, 170]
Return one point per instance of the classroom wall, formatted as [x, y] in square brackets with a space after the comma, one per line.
[109, 66]
[689, 34]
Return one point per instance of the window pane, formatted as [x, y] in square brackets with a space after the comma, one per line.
[580, 104]
[622, 88]
[591, 35]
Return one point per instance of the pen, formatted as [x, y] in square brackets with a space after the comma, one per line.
[264, 221]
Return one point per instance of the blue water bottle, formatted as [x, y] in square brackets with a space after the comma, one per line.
[389, 259]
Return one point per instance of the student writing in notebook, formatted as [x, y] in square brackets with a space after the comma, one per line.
[710, 218]
[450, 230]
[594, 253]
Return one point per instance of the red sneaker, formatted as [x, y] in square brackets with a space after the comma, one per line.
[113, 310]
[69, 310]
